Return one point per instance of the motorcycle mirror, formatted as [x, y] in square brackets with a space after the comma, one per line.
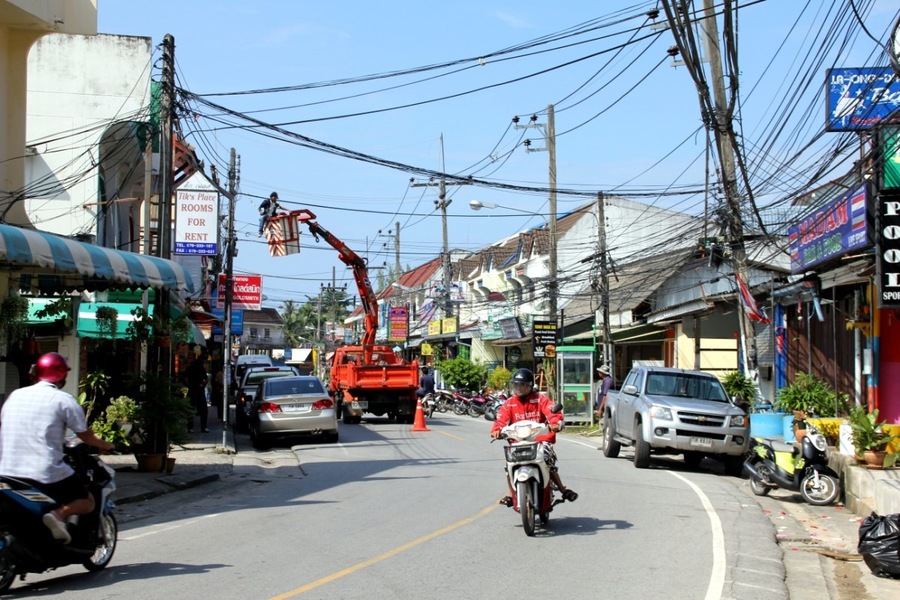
[557, 408]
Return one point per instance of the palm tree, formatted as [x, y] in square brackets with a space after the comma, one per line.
[298, 322]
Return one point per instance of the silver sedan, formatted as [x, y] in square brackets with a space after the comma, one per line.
[292, 406]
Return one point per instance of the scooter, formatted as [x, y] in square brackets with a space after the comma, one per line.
[490, 412]
[528, 468]
[772, 464]
[478, 403]
[26, 544]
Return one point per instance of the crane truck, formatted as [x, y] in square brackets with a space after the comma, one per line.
[368, 378]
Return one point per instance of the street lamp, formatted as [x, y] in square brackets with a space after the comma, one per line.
[478, 205]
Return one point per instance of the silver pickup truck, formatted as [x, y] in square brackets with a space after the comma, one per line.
[674, 411]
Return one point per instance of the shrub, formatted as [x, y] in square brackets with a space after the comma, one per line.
[462, 373]
[813, 396]
[740, 386]
[499, 378]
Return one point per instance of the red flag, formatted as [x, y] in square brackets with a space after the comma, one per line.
[753, 310]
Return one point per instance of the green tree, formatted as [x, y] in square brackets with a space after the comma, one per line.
[299, 322]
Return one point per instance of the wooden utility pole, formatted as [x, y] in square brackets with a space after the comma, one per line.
[229, 284]
[608, 351]
[397, 250]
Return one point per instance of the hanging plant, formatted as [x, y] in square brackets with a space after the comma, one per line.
[14, 319]
[61, 309]
[107, 320]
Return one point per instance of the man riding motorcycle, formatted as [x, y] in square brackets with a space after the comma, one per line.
[35, 420]
[526, 403]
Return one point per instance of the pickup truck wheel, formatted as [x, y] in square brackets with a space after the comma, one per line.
[347, 417]
[610, 446]
[641, 448]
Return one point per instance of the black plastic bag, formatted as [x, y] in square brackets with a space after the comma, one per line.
[879, 544]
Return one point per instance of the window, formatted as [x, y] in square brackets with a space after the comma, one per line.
[266, 332]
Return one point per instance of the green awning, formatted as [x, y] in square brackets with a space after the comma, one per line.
[88, 326]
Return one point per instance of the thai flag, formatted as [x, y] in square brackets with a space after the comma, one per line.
[858, 210]
[753, 310]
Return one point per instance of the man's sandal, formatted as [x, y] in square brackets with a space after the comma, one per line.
[506, 501]
[570, 496]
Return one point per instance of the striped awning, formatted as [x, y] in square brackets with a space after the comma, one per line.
[42, 253]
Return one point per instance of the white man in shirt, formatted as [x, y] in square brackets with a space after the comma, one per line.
[32, 436]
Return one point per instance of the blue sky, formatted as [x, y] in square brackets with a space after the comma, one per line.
[626, 121]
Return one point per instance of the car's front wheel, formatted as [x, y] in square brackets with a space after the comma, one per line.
[610, 446]
[641, 448]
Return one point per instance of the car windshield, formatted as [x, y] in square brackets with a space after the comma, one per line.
[686, 386]
[293, 386]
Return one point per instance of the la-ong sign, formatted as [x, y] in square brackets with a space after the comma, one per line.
[859, 98]
[831, 231]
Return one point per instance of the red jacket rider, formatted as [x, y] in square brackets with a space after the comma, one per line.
[533, 407]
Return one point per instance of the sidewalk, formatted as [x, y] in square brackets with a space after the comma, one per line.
[203, 459]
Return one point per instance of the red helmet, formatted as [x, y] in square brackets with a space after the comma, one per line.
[51, 367]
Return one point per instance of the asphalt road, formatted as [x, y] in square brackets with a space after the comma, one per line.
[390, 513]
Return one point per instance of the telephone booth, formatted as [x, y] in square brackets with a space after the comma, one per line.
[575, 366]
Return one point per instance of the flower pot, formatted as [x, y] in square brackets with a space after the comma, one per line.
[766, 425]
[170, 464]
[150, 463]
[874, 459]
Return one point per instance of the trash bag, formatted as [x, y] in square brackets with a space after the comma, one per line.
[879, 544]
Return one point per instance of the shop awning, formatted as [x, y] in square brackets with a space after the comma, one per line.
[44, 253]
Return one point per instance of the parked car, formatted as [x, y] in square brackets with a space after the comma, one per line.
[242, 362]
[254, 375]
[675, 411]
[292, 406]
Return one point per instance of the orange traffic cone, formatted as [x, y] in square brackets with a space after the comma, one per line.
[419, 423]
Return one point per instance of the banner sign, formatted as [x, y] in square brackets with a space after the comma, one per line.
[399, 324]
[889, 251]
[196, 217]
[544, 339]
[246, 292]
[859, 98]
[832, 231]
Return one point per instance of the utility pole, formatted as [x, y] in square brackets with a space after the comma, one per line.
[229, 285]
[397, 250]
[726, 158]
[164, 236]
[553, 284]
[608, 350]
[550, 140]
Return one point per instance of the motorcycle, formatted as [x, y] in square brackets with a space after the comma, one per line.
[429, 402]
[478, 404]
[772, 464]
[490, 412]
[443, 400]
[26, 544]
[528, 466]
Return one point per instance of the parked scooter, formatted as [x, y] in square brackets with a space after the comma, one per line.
[490, 412]
[478, 403]
[26, 544]
[773, 464]
[528, 467]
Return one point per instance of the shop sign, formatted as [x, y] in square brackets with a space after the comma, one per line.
[544, 339]
[889, 251]
[399, 324]
[831, 232]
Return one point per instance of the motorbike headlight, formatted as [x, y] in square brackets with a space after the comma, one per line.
[818, 441]
[661, 412]
[523, 432]
[738, 421]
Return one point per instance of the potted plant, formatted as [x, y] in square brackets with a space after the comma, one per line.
[811, 395]
[116, 423]
[870, 439]
[107, 320]
[163, 412]
[741, 387]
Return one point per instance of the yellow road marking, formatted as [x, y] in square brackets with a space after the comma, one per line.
[385, 556]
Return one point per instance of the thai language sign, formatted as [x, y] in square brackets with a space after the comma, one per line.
[831, 231]
[399, 324]
[246, 292]
[859, 98]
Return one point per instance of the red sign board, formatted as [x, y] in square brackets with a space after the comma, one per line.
[246, 292]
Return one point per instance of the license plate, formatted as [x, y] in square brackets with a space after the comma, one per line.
[360, 404]
[702, 442]
[296, 407]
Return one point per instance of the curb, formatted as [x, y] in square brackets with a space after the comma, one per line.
[174, 485]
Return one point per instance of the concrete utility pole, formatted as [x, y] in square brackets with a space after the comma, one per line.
[608, 350]
[726, 159]
[550, 140]
[164, 237]
[229, 286]
[397, 250]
